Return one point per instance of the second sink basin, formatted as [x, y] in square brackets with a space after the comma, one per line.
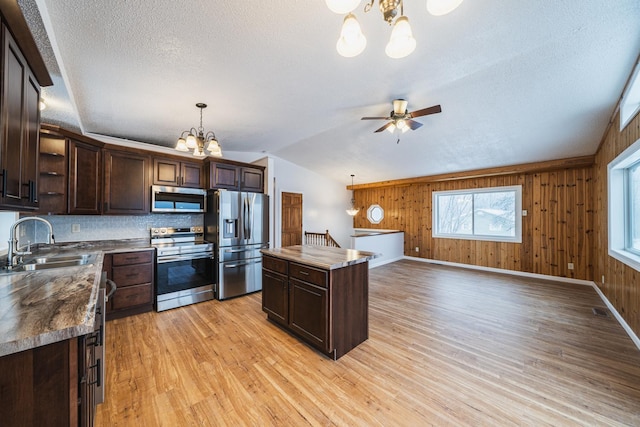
[43, 263]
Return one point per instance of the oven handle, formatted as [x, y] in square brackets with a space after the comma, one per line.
[241, 264]
[182, 258]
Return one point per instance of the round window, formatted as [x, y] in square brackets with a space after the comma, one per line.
[375, 214]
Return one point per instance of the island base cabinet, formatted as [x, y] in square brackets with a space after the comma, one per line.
[327, 309]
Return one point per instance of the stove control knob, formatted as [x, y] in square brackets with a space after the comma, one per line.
[163, 231]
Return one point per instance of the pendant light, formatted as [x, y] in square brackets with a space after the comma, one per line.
[352, 210]
[196, 140]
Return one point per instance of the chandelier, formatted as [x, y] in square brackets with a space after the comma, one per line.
[196, 140]
[352, 42]
[352, 210]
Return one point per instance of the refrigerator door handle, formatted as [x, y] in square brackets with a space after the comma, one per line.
[242, 264]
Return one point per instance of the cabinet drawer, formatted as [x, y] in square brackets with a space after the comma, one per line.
[132, 296]
[128, 258]
[308, 274]
[132, 274]
[274, 264]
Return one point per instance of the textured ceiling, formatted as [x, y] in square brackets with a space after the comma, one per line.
[518, 81]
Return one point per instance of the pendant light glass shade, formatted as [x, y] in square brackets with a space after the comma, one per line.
[351, 42]
[191, 141]
[352, 211]
[342, 6]
[182, 145]
[402, 42]
[442, 7]
[214, 148]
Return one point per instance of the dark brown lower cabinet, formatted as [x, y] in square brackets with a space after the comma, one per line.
[133, 274]
[328, 309]
[51, 385]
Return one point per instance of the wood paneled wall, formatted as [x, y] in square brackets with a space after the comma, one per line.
[557, 230]
[620, 281]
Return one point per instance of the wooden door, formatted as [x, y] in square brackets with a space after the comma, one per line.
[291, 219]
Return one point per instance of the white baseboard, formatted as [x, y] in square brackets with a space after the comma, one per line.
[610, 306]
[386, 261]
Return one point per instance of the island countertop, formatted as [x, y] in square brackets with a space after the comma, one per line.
[47, 306]
[324, 257]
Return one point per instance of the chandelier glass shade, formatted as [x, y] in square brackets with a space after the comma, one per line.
[352, 211]
[401, 43]
[196, 139]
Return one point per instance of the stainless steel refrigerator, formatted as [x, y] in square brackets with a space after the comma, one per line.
[237, 223]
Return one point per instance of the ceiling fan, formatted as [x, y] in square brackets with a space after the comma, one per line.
[402, 119]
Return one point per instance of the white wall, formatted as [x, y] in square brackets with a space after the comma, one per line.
[324, 201]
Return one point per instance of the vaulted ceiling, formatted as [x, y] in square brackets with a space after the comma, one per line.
[518, 81]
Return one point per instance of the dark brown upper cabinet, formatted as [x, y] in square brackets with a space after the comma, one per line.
[230, 176]
[172, 172]
[126, 182]
[19, 128]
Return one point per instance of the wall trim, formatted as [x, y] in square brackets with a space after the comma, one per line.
[591, 283]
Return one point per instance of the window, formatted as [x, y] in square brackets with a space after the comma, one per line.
[630, 103]
[624, 206]
[479, 214]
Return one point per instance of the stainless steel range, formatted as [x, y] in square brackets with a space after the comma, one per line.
[185, 267]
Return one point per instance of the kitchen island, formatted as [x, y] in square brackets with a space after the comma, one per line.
[318, 293]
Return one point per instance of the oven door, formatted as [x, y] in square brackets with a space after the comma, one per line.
[184, 279]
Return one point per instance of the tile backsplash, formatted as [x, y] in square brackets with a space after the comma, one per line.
[79, 228]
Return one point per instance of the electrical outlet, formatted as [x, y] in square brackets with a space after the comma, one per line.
[524, 212]
[417, 249]
[75, 228]
[570, 266]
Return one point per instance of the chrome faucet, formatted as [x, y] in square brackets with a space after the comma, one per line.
[13, 252]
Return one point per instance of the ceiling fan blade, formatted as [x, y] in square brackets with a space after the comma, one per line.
[376, 118]
[426, 111]
[383, 127]
[413, 124]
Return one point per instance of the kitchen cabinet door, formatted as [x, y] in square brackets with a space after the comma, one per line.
[19, 131]
[251, 179]
[309, 312]
[191, 174]
[223, 176]
[85, 174]
[275, 296]
[126, 187]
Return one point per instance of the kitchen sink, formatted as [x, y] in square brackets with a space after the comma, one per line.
[46, 263]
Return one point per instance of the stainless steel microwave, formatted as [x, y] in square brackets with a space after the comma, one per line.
[178, 199]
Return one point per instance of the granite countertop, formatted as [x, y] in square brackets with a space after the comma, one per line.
[324, 257]
[47, 306]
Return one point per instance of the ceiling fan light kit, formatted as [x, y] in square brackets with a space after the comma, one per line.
[401, 119]
[196, 140]
[401, 43]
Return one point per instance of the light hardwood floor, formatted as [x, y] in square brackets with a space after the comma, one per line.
[446, 346]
